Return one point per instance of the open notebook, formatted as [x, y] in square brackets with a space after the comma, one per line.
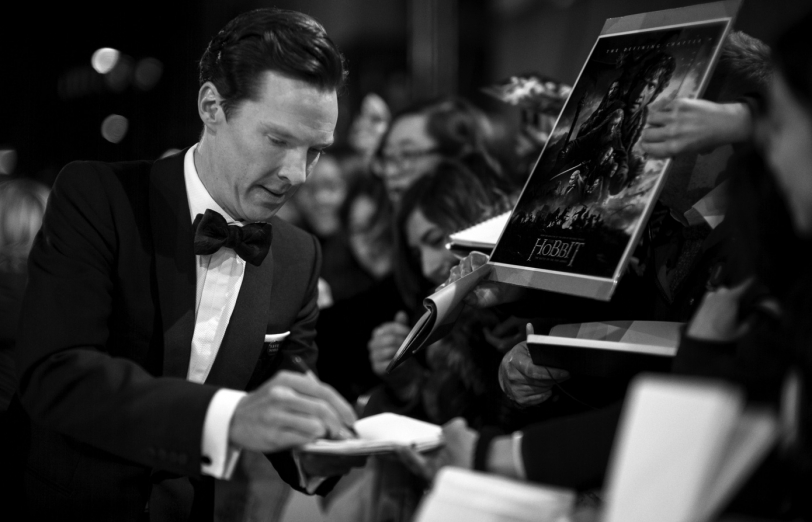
[382, 433]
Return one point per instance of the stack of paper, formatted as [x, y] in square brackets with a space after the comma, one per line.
[470, 496]
[382, 433]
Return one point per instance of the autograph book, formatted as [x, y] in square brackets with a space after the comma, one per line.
[607, 349]
[442, 309]
[382, 433]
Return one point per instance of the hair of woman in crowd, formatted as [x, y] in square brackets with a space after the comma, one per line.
[366, 216]
[22, 204]
[453, 196]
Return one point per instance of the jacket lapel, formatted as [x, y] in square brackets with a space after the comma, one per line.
[243, 340]
[174, 262]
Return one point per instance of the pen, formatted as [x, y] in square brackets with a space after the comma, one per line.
[305, 369]
[302, 367]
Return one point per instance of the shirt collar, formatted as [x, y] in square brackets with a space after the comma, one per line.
[199, 198]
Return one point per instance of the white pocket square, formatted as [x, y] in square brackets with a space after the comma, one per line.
[273, 341]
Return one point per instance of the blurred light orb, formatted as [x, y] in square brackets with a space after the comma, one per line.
[147, 73]
[104, 60]
[8, 161]
[114, 128]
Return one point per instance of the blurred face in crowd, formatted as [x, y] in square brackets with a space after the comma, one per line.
[254, 161]
[409, 152]
[427, 241]
[370, 125]
[366, 237]
[321, 197]
[789, 152]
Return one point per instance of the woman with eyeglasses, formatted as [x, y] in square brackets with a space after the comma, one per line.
[422, 135]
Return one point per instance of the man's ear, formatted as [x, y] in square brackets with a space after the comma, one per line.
[209, 106]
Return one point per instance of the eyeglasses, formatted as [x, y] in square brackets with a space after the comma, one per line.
[401, 160]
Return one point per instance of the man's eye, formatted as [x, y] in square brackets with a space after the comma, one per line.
[277, 141]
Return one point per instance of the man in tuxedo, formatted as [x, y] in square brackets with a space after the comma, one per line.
[143, 367]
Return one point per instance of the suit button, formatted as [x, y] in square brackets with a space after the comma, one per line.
[151, 452]
[182, 459]
[161, 453]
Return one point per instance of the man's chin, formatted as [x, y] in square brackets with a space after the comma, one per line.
[264, 213]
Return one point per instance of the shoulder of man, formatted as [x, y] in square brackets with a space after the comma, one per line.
[86, 174]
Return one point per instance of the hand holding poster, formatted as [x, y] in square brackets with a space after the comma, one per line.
[585, 205]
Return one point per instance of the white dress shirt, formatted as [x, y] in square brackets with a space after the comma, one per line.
[219, 278]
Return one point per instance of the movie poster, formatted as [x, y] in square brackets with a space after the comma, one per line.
[593, 186]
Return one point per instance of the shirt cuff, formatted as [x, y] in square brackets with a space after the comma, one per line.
[518, 462]
[309, 484]
[219, 457]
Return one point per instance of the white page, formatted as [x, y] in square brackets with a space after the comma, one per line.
[671, 439]
[470, 496]
[382, 433]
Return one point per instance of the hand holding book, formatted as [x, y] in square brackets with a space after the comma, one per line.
[486, 293]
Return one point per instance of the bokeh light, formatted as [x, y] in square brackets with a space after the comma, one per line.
[114, 128]
[104, 60]
[147, 73]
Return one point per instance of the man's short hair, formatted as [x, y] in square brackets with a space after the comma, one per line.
[270, 39]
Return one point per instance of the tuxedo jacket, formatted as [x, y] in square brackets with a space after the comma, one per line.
[105, 340]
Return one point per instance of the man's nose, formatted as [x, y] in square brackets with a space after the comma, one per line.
[294, 167]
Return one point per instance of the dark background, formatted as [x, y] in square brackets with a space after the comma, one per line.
[401, 49]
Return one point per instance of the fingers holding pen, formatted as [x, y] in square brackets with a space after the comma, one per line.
[311, 387]
[289, 410]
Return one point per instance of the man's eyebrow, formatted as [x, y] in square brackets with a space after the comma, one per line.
[282, 133]
[322, 146]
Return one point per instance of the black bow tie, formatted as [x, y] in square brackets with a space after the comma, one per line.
[251, 242]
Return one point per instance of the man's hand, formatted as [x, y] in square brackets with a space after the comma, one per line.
[717, 318]
[486, 293]
[289, 410]
[685, 125]
[525, 383]
[385, 341]
[458, 450]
